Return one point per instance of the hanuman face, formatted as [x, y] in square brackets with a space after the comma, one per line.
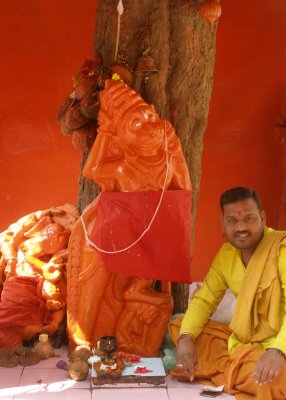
[143, 131]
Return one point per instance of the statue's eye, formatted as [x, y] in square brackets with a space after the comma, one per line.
[136, 123]
[152, 117]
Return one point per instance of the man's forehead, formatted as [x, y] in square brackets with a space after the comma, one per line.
[241, 207]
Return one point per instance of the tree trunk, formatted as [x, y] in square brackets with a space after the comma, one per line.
[182, 45]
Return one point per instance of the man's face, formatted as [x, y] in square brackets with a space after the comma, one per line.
[243, 224]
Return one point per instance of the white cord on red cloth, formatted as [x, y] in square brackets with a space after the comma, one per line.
[91, 243]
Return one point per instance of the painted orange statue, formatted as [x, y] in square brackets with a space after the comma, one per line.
[143, 318]
[33, 256]
[119, 245]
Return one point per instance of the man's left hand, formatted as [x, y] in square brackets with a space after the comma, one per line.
[268, 367]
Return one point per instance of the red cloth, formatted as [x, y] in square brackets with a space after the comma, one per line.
[21, 305]
[164, 252]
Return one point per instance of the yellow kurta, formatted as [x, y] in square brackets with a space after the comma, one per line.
[228, 271]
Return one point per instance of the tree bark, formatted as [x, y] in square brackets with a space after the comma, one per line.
[182, 45]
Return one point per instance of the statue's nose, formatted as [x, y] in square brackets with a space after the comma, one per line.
[154, 126]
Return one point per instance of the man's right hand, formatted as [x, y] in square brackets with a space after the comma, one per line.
[187, 356]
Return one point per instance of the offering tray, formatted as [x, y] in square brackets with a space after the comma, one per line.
[155, 377]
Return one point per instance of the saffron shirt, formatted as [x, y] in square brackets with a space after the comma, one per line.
[228, 271]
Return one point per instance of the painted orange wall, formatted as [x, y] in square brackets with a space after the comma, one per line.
[243, 144]
[44, 43]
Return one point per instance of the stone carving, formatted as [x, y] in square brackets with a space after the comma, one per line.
[134, 151]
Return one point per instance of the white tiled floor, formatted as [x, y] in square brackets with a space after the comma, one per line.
[46, 381]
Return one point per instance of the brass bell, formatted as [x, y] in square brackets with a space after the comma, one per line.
[146, 65]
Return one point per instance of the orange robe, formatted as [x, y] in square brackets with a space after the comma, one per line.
[217, 368]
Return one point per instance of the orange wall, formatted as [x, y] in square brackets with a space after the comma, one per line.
[45, 44]
[243, 145]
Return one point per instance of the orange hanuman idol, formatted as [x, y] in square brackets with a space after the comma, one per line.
[125, 238]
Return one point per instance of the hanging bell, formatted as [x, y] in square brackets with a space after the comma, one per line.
[146, 66]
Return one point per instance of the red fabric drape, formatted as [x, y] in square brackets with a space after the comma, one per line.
[164, 252]
[21, 304]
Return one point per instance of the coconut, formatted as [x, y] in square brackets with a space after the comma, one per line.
[78, 370]
[80, 352]
[8, 358]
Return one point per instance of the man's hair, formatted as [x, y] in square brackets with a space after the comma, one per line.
[237, 194]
